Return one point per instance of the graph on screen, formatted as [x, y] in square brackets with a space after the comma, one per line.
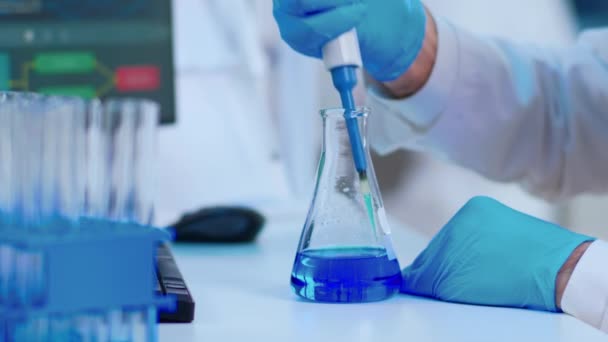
[110, 48]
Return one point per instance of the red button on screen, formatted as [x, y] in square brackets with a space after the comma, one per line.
[137, 78]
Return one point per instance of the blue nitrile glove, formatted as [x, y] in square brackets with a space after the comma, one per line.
[391, 32]
[490, 254]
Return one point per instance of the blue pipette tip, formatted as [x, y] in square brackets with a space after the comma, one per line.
[345, 80]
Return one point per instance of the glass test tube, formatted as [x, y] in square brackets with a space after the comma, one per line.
[132, 143]
[97, 161]
[138, 319]
[120, 327]
[30, 278]
[63, 158]
[7, 199]
[7, 274]
[83, 327]
[6, 182]
[59, 328]
[26, 129]
[145, 160]
[49, 201]
[32, 329]
[70, 163]
[101, 326]
[121, 133]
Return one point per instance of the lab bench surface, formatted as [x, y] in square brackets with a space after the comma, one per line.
[242, 293]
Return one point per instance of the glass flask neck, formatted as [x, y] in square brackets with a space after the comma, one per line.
[337, 144]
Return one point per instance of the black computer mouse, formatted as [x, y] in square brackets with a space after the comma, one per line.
[224, 224]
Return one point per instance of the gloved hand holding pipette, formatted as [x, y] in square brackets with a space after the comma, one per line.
[391, 32]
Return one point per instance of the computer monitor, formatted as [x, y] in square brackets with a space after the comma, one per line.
[591, 13]
[89, 48]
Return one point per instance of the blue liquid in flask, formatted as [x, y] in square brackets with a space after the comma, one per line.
[345, 275]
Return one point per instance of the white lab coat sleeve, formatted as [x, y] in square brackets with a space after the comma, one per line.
[586, 295]
[510, 112]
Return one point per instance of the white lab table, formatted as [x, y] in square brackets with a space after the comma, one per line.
[242, 293]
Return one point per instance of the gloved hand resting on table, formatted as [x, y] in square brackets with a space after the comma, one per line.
[490, 254]
[391, 32]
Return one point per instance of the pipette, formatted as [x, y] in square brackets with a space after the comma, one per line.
[342, 57]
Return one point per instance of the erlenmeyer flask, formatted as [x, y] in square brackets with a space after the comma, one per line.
[345, 252]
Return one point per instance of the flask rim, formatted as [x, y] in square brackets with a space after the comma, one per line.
[359, 112]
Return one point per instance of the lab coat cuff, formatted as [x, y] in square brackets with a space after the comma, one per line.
[586, 295]
[423, 109]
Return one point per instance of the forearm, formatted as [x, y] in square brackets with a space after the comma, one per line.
[566, 272]
[511, 112]
[582, 287]
[418, 74]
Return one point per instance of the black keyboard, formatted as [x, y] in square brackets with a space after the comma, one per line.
[171, 282]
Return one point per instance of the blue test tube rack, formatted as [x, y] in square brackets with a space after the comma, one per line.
[67, 270]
